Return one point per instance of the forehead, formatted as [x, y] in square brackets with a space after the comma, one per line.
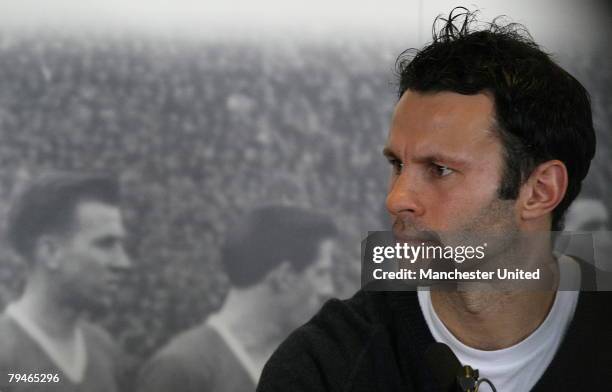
[96, 218]
[451, 122]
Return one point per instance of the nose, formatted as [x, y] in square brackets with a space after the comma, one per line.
[403, 198]
[325, 287]
[122, 260]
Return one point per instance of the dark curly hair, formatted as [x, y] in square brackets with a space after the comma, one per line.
[542, 112]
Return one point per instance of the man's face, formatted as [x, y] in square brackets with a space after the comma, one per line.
[587, 215]
[590, 216]
[314, 285]
[318, 276]
[92, 254]
[447, 166]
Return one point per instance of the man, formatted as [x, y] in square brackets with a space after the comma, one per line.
[588, 214]
[68, 228]
[279, 263]
[489, 135]
[588, 221]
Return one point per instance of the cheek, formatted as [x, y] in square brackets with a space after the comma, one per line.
[71, 262]
[446, 212]
[89, 262]
[454, 207]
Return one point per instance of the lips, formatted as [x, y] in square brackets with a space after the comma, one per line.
[415, 236]
[112, 282]
[411, 238]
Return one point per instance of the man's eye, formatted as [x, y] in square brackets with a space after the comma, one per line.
[397, 166]
[107, 243]
[441, 170]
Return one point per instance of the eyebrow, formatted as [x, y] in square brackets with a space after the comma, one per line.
[389, 154]
[431, 157]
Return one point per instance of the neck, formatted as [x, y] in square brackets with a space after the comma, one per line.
[492, 320]
[245, 308]
[41, 304]
[491, 316]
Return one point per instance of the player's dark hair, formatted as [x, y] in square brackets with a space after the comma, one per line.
[48, 204]
[269, 236]
[542, 112]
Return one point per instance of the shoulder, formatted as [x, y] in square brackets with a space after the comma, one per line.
[195, 343]
[10, 338]
[180, 364]
[329, 348]
[107, 353]
[592, 314]
[349, 323]
[18, 353]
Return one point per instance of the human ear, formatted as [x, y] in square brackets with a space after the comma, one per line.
[47, 251]
[543, 191]
[282, 278]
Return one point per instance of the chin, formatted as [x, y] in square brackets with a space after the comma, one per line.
[91, 302]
